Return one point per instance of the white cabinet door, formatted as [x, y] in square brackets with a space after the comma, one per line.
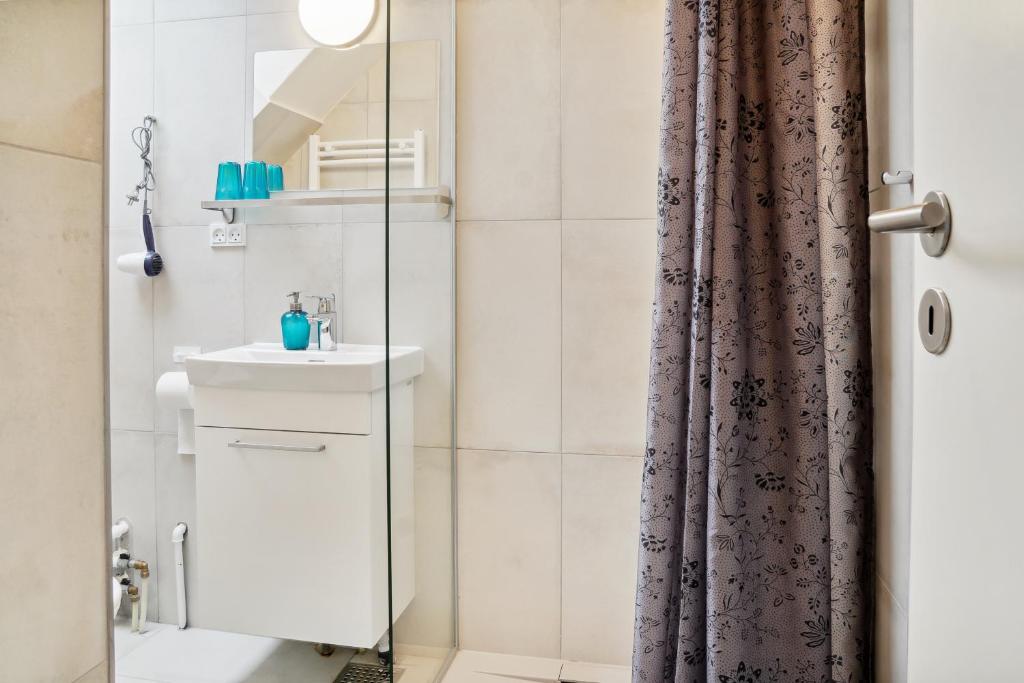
[291, 536]
[967, 507]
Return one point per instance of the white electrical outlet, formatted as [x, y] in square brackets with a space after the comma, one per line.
[227, 234]
[236, 234]
[218, 234]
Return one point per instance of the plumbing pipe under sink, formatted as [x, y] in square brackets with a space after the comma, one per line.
[178, 539]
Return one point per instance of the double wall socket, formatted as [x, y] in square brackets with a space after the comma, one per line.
[227, 234]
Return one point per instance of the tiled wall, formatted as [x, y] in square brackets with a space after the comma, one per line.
[889, 81]
[53, 619]
[558, 109]
[189, 64]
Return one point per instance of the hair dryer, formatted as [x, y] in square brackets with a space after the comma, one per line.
[146, 263]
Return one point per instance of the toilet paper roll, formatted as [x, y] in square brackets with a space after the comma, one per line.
[173, 391]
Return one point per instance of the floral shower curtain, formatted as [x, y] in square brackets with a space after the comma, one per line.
[756, 529]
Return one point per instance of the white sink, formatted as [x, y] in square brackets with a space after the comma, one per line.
[269, 367]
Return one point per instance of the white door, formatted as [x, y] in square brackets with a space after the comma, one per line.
[966, 611]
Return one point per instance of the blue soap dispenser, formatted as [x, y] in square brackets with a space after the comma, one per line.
[295, 326]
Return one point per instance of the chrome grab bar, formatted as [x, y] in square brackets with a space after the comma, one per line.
[276, 447]
[932, 219]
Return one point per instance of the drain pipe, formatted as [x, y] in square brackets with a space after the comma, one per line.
[143, 569]
[119, 529]
[178, 539]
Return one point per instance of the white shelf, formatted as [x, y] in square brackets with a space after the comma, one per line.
[438, 196]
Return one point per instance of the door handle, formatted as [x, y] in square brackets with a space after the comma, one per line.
[276, 447]
[932, 219]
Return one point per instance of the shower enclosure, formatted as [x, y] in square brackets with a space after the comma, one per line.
[283, 511]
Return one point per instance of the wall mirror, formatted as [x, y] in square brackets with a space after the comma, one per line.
[319, 114]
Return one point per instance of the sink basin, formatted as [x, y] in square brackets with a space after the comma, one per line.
[269, 367]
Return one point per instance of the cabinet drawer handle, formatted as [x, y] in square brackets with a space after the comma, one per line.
[276, 447]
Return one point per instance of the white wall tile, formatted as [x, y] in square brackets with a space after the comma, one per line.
[600, 535]
[509, 552]
[268, 6]
[509, 330]
[421, 308]
[132, 479]
[611, 104]
[430, 618]
[282, 259]
[197, 301]
[198, 90]
[131, 98]
[607, 288]
[175, 501]
[130, 323]
[179, 10]
[508, 110]
[124, 12]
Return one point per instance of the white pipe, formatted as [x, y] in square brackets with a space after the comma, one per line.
[143, 602]
[334, 163]
[313, 151]
[371, 142]
[178, 539]
[135, 615]
[366, 151]
[119, 529]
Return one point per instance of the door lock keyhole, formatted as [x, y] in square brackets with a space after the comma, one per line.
[934, 320]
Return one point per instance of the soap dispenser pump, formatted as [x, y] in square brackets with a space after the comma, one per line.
[295, 326]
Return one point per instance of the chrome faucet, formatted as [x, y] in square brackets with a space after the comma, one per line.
[325, 322]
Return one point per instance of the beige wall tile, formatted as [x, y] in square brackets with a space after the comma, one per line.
[51, 67]
[509, 549]
[600, 535]
[509, 328]
[430, 618]
[52, 473]
[611, 103]
[607, 289]
[508, 110]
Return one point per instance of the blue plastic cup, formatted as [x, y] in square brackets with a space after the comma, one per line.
[275, 178]
[229, 180]
[254, 185]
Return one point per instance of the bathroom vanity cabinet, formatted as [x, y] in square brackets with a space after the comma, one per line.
[291, 535]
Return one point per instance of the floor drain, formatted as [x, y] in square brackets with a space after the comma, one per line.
[367, 673]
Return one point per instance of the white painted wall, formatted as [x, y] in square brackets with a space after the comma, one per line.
[54, 592]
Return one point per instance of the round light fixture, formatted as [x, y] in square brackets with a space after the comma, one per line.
[337, 23]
